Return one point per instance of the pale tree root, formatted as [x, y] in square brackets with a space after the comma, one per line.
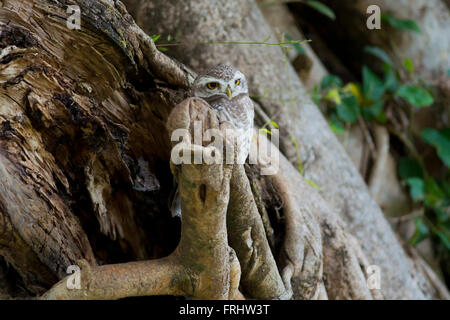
[246, 233]
[260, 275]
[203, 266]
[334, 259]
[319, 258]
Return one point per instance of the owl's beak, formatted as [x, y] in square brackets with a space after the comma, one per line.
[229, 93]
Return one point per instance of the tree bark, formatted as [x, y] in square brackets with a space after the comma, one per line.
[284, 99]
[78, 171]
[84, 166]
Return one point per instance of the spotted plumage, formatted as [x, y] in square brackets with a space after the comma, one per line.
[225, 89]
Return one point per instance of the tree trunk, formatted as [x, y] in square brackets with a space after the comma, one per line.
[275, 85]
[85, 173]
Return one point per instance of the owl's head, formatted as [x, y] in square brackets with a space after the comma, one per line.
[222, 81]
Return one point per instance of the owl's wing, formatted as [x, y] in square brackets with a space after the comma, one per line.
[243, 112]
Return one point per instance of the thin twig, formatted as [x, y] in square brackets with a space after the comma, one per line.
[286, 43]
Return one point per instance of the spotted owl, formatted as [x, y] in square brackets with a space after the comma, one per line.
[225, 89]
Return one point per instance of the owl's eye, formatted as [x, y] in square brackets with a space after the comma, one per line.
[237, 82]
[212, 85]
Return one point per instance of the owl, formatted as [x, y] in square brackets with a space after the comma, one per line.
[225, 89]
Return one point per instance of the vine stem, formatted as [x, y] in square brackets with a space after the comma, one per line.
[234, 43]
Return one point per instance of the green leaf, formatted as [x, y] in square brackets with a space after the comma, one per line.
[415, 95]
[402, 24]
[434, 193]
[379, 53]
[440, 141]
[333, 95]
[156, 37]
[319, 6]
[331, 80]
[446, 133]
[348, 110]
[373, 87]
[446, 187]
[374, 112]
[408, 65]
[265, 131]
[444, 237]
[390, 80]
[441, 215]
[336, 125]
[316, 95]
[417, 188]
[409, 168]
[274, 124]
[299, 158]
[421, 233]
[312, 184]
[354, 89]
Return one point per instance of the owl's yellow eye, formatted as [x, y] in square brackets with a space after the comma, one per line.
[237, 82]
[212, 85]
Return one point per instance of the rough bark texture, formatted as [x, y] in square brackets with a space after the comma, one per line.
[284, 99]
[80, 159]
[308, 65]
[84, 165]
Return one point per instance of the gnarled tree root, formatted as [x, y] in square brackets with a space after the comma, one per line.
[260, 275]
[203, 266]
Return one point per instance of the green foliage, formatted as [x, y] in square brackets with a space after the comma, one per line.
[409, 168]
[274, 124]
[440, 140]
[312, 184]
[407, 63]
[373, 87]
[322, 8]
[375, 112]
[435, 200]
[330, 81]
[348, 110]
[336, 124]
[369, 98]
[299, 158]
[390, 80]
[417, 188]
[265, 131]
[346, 104]
[415, 95]
[421, 233]
[316, 95]
[155, 38]
[402, 24]
[444, 237]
